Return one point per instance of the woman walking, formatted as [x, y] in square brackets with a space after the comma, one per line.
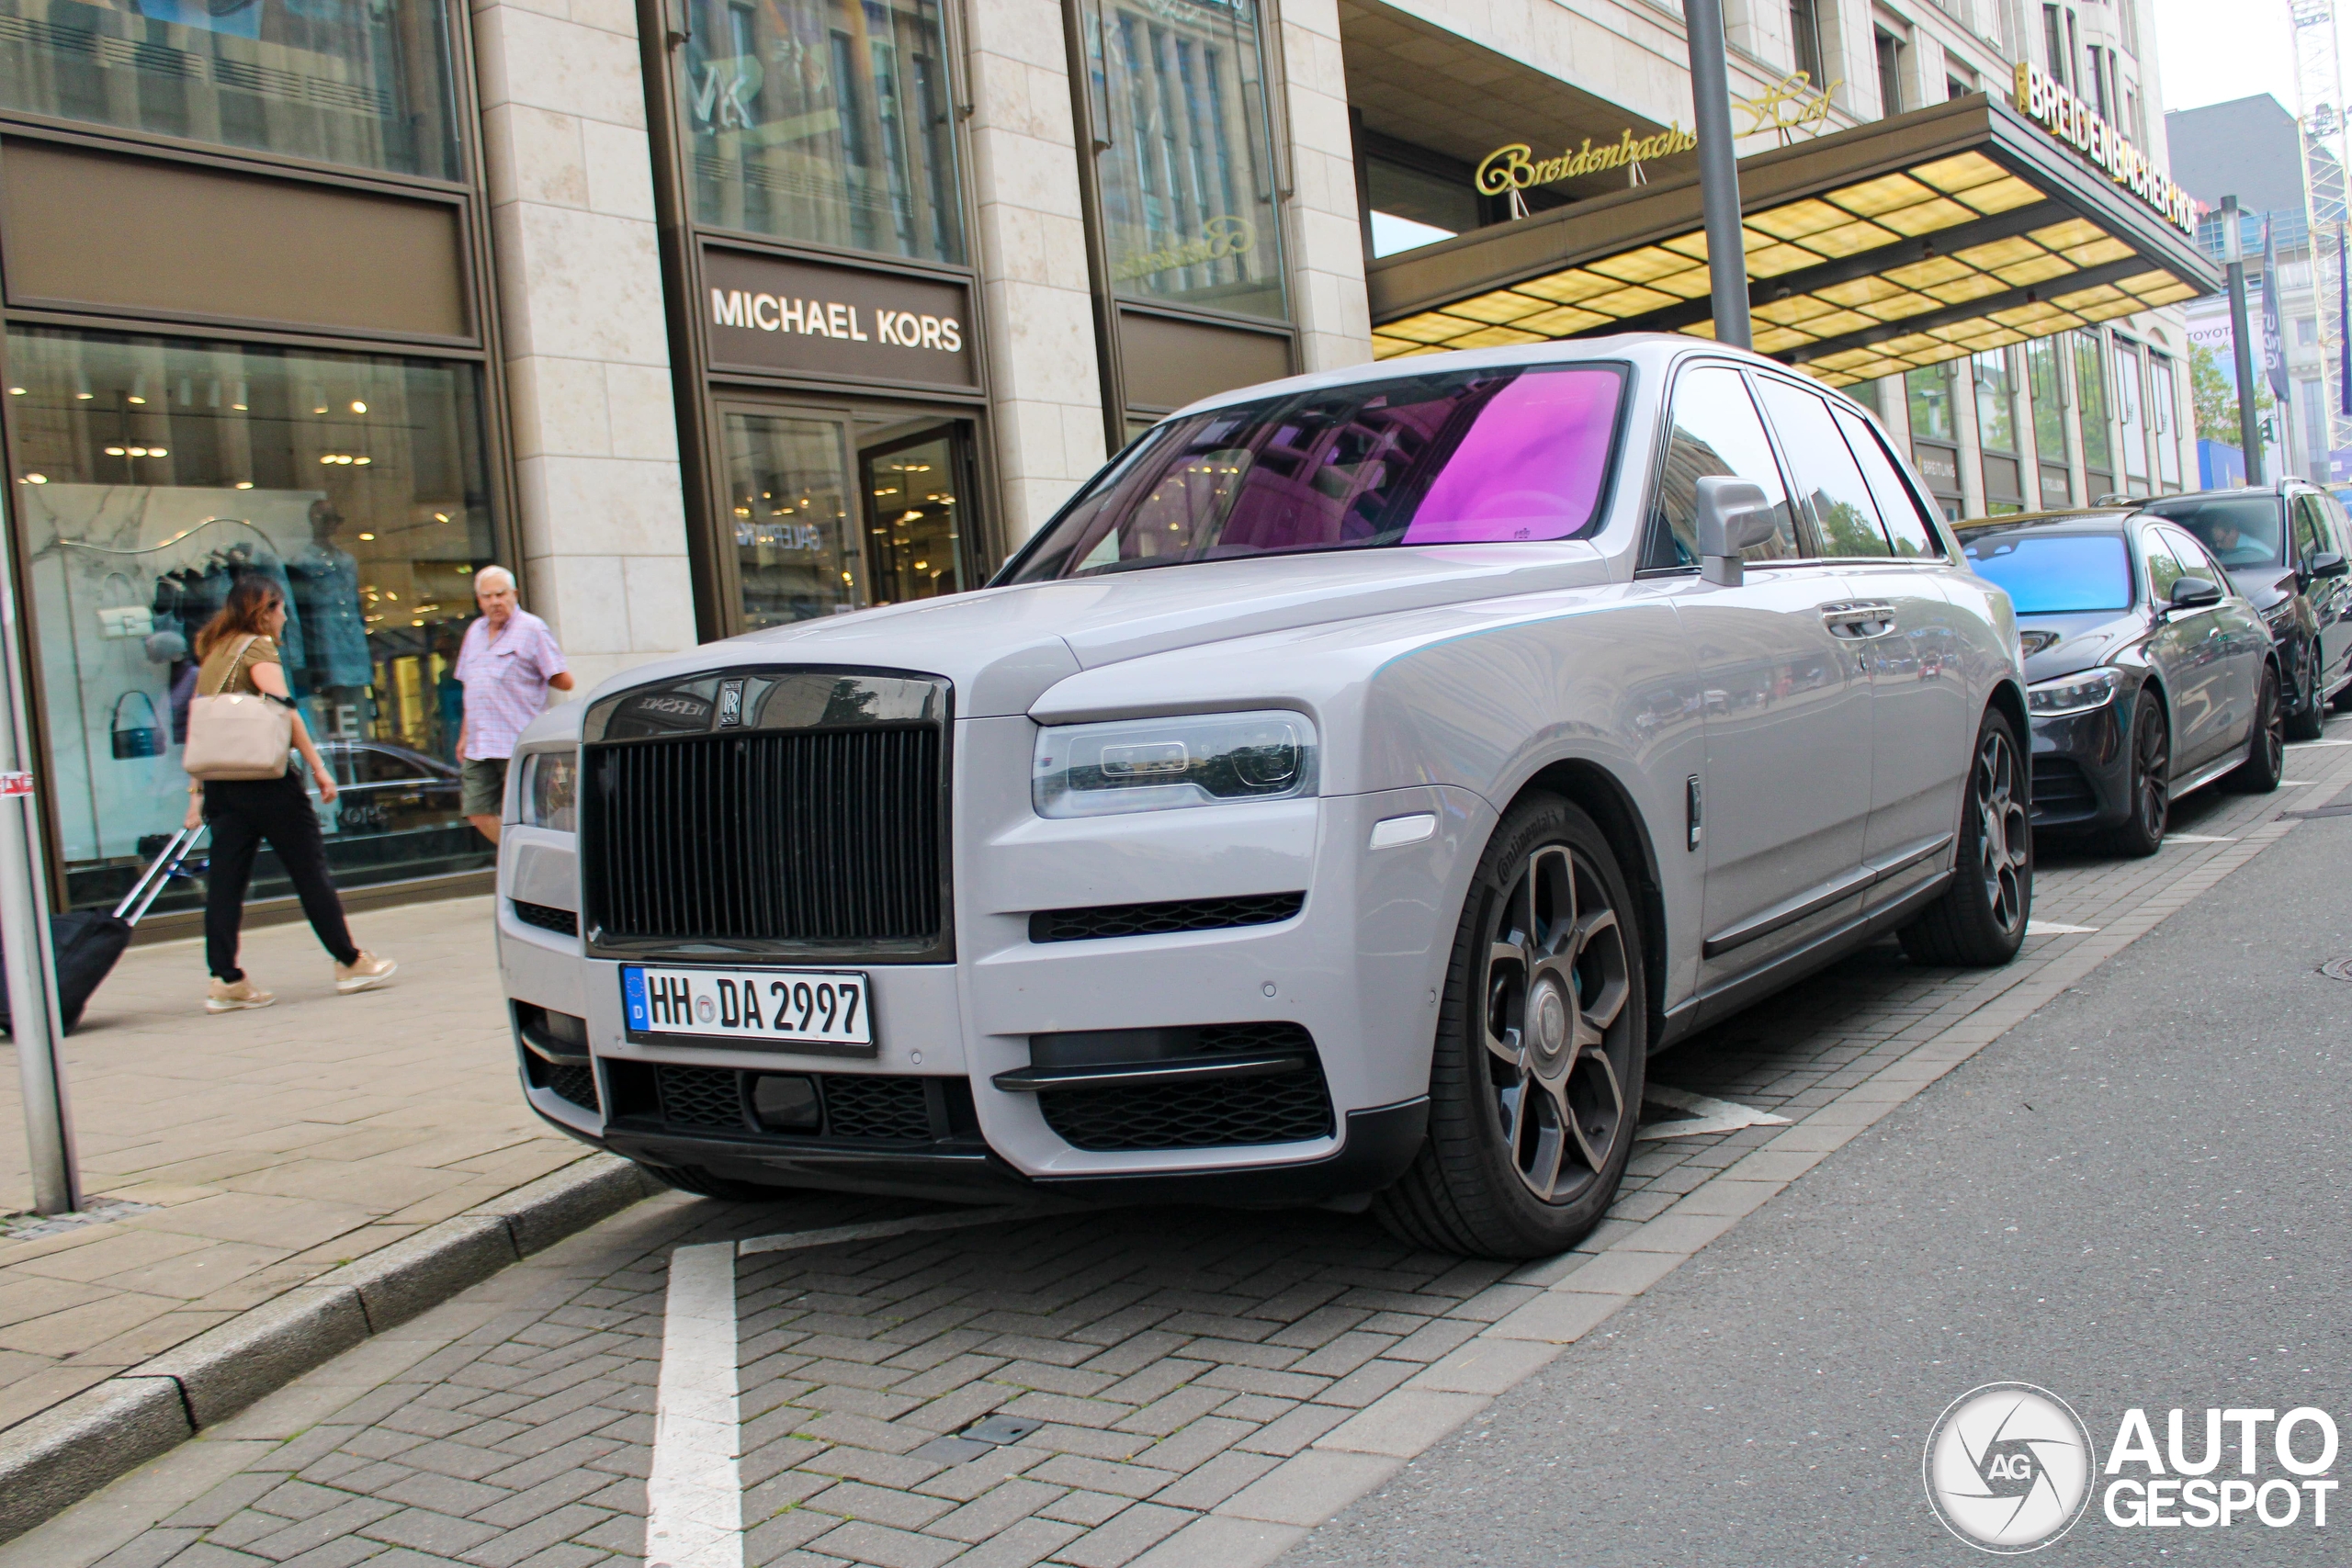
[238, 649]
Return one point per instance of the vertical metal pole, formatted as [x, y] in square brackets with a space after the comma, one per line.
[24, 927]
[1702, 23]
[2233, 252]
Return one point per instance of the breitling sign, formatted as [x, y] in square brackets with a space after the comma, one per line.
[2071, 120]
[1517, 168]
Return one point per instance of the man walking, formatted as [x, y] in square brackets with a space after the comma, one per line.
[507, 664]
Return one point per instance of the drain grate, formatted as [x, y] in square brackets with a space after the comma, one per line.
[983, 1436]
[2337, 968]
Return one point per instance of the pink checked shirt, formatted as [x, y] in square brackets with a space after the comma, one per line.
[505, 680]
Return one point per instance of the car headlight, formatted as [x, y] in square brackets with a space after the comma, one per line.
[2078, 693]
[2280, 615]
[1154, 764]
[550, 791]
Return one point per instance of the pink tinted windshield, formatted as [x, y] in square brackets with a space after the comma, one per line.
[1530, 468]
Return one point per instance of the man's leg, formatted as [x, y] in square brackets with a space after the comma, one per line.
[481, 792]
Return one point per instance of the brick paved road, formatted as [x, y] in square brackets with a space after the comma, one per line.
[1172, 1361]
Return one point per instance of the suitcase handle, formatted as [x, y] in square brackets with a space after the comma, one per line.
[151, 881]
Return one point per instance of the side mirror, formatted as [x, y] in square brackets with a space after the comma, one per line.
[2327, 563]
[1733, 515]
[2193, 593]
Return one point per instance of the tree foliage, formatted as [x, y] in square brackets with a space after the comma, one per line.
[2217, 400]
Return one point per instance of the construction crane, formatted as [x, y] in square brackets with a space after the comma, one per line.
[2319, 91]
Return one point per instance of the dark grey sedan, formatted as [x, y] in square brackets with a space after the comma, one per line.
[2147, 675]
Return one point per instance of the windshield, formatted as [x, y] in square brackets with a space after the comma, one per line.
[2242, 530]
[1466, 456]
[2054, 573]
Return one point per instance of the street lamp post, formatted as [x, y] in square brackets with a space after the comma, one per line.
[1702, 23]
[2233, 252]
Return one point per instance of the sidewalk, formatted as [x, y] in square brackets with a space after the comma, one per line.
[271, 1146]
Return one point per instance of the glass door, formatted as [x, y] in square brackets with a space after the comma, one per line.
[917, 489]
[788, 515]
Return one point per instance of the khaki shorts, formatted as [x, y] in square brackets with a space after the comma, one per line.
[481, 787]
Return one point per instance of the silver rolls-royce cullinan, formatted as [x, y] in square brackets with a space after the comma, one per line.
[1338, 802]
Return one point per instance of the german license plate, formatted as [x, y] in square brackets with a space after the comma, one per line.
[785, 1006]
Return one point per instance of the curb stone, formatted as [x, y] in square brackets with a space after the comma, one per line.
[53, 1460]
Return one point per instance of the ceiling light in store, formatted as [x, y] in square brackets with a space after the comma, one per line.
[366, 535]
[363, 462]
[15, 391]
[358, 407]
[443, 517]
[923, 566]
[245, 484]
[114, 451]
[134, 397]
[36, 479]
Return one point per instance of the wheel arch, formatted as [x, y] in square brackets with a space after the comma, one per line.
[1602, 796]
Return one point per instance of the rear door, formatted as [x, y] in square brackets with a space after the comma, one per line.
[2189, 651]
[2319, 530]
[2239, 636]
[1787, 790]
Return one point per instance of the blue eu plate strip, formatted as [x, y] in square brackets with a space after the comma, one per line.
[633, 997]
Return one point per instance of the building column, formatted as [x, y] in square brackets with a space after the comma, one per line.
[1971, 447]
[596, 431]
[1044, 379]
[1325, 231]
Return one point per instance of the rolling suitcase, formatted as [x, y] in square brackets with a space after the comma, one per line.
[88, 941]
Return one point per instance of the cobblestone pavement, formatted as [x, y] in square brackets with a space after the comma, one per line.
[1190, 1387]
[271, 1146]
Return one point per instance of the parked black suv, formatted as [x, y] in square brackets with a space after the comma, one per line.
[2284, 546]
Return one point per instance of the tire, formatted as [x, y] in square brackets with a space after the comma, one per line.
[703, 1184]
[2342, 700]
[2148, 781]
[2308, 720]
[2265, 749]
[1535, 1082]
[1979, 920]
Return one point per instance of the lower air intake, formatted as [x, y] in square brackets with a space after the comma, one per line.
[1284, 1107]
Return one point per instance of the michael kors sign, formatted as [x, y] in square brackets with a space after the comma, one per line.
[767, 313]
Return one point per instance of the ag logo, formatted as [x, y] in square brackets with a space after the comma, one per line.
[2008, 1467]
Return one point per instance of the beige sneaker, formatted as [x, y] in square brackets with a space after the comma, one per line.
[365, 975]
[226, 998]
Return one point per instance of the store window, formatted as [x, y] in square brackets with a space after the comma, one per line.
[915, 511]
[788, 481]
[1935, 433]
[2090, 410]
[152, 473]
[2131, 417]
[829, 121]
[1996, 432]
[2046, 391]
[360, 82]
[1411, 205]
[2163, 416]
[1187, 176]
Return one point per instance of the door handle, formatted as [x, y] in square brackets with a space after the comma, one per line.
[1858, 618]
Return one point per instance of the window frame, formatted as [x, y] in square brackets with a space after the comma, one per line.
[1790, 466]
[1653, 513]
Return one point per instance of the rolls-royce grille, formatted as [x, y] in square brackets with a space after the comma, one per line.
[800, 836]
[1160, 919]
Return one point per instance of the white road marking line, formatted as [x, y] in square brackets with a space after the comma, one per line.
[793, 1241]
[1706, 1116]
[2297, 784]
[2053, 927]
[2295, 745]
[694, 1498]
[2198, 839]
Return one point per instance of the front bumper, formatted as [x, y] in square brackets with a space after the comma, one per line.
[1359, 968]
[2081, 767]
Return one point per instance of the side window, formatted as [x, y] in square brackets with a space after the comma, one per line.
[2196, 559]
[1716, 431]
[1898, 508]
[1845, 515]
[2310, 530]
[2335, 527]
[2162, 570]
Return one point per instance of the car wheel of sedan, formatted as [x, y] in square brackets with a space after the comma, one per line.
[2148, 781]
[2308, 720]
[1535, 1084]
[2265, 749]
[703, 1184]
[1981, 918]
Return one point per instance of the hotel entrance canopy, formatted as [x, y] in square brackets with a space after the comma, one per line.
[1870, 251]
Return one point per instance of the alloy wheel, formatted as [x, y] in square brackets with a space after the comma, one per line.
[2003, 840]
[1557, 1054]
[2152, 770]
[2271, 715]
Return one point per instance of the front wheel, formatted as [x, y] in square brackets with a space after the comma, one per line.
[2148, 781]
[1535, 1082]
[2265, 749]
[1981, 918]
[2308, 721]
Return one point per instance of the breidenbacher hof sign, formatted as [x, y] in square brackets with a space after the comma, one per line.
[2071, 120]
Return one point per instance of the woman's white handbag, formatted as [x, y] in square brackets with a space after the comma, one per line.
[239, 735]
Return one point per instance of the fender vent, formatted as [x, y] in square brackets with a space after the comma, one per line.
[1160, 919]
[547, 918]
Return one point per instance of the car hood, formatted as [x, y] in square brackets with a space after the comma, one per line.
[2057, 645]
[2264, 586]
[1004, 646]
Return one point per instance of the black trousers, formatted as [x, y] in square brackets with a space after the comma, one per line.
[243, 812]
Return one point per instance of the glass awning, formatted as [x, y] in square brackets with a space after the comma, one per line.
[1870, 251]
